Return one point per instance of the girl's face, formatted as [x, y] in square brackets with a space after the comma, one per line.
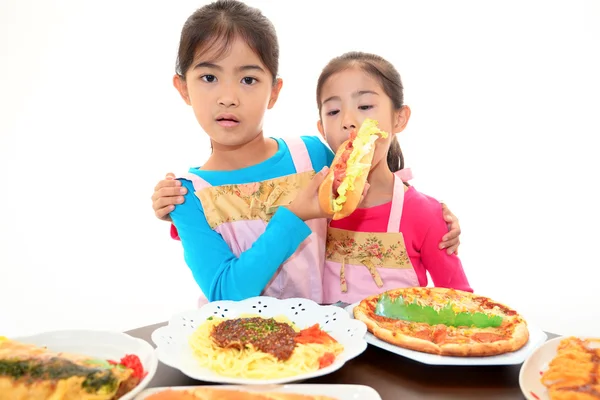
[229, 95]
[347, 99]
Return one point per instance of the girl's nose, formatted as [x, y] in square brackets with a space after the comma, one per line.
[228, 101]
[228, 97]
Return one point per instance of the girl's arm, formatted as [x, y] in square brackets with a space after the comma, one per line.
[446, 270]
[218, 271]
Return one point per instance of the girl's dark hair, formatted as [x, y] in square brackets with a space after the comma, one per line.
[390, 81]
[218, 24]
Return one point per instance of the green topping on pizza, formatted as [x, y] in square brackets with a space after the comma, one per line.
[399, 309]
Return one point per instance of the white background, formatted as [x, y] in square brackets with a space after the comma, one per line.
[505, 100]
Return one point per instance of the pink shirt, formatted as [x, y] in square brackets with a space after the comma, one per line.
[422, 225]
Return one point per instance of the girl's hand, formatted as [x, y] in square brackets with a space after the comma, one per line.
[167, 194]
[451, 240]
[306, 204]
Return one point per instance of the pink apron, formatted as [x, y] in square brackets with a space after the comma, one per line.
[361, 264]
[240, 213]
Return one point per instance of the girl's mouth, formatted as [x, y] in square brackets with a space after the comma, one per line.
[227, 120]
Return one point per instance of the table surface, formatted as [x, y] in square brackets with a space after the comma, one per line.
[392, 376]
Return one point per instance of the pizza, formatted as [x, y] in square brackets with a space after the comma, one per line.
[443, 321]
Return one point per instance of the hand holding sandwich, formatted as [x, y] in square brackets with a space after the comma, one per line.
[307, 205]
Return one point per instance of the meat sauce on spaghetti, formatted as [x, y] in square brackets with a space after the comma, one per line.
[266, 335]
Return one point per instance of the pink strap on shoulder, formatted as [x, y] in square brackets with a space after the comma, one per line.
[198, 182]
[397, 205]
[299, 154]
[405, 174]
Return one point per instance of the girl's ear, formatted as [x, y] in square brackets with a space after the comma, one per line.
[401, 118]
[275, 93]
[320, 128]
[181, 86]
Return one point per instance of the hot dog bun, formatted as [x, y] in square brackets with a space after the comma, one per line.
[326, 196]
[341, 191]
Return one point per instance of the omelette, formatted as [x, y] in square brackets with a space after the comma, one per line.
[36, 373]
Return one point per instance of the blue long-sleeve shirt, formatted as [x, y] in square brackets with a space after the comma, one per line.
[219, 273]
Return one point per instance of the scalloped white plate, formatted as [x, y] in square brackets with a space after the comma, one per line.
[174, 350]
[340, 392]
[535, 365]
[537, 337]
[99, 344]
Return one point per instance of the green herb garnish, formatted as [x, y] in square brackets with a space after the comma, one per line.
[399, 309]
[97, 379]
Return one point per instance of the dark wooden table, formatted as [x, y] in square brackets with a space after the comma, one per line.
[393, 376]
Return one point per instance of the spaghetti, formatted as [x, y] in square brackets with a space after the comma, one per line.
[262, 348]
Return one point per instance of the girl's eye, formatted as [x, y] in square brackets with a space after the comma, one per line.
[249, 80]
[209, 78]
[333, 112]
[365, 108]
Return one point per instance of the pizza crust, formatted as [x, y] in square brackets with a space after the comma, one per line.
[386, 332]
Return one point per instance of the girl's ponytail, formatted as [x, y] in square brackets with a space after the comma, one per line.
[395, 159]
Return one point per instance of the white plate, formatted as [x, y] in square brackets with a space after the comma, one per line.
[99, 344]
[340, 392]
[536, 338]
[534, 366]
[174, 350]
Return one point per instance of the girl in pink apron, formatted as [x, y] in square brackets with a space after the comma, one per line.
[393, 241]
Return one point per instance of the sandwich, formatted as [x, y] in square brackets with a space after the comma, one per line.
[341, 191]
